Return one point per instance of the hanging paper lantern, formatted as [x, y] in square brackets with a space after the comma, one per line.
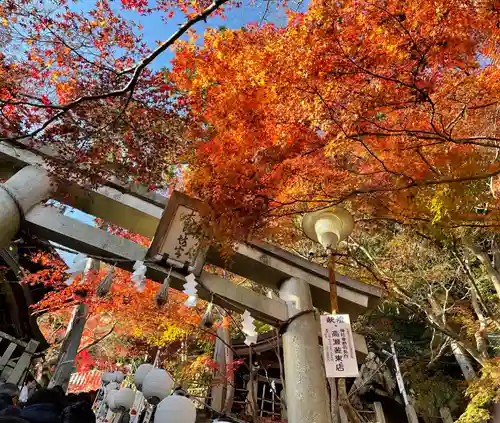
[108, 377]
[157, 385]
[119, 376]
[139, 275]
[105, 286]
[112, 386]
[191, 290]
[162, 296]
[141, 373]
[176, 409]
[77, 267]
[110, 400]
[124, 398]
[249, 329]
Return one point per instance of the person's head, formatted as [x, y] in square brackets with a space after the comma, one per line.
[12, 419]
[85, 397]
[11, 390]
[47, 396]
[30, 380]
[71, 398]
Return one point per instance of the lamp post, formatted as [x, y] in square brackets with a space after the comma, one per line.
[329, 227]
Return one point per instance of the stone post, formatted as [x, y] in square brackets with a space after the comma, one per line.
[306, 392]
[219, 383]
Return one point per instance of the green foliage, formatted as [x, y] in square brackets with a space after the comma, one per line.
[433, 389]
[482, 393]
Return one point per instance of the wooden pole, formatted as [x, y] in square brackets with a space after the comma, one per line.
[334, 404]
[338, 397]
[410, 411]
[69, 347]
[333, 283]
[446, 415]
[379, 412]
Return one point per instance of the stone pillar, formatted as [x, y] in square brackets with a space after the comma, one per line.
[219, 383]
[18, 195]
[305, 380]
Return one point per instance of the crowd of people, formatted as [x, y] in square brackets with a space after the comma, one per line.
[44, 405]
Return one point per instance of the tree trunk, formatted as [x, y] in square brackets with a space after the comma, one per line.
[334, 405]
[463, 361]
[480, 334]
[344, 402]
[493, 274]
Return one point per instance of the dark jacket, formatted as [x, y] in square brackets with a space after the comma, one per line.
[41, 413]
[6, 406]
[81, 412]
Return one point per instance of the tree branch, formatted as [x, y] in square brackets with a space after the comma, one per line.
[137, 71]
[96, 341]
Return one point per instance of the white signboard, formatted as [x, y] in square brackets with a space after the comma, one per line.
[338, 346]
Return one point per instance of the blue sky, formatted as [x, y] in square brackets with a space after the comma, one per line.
[155, 29]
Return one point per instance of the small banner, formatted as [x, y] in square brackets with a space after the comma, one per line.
[338, 346]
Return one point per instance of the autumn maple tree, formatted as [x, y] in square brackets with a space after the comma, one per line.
[388, 107]
[122, 315]
[77, 86]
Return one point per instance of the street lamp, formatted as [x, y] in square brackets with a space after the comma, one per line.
[329, 227]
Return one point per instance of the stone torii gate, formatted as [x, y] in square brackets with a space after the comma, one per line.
[301, 284]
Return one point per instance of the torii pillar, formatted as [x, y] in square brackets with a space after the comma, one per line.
[307, 398]
[18, 195]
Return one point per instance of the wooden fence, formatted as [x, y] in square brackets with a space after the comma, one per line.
[16, 358]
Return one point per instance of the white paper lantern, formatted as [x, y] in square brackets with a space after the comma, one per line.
[112, 386]
[157, 385]
[118, 376]
[110, 400]
[175, 409]
[124, 398]
[108, 377]
[141, 373]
